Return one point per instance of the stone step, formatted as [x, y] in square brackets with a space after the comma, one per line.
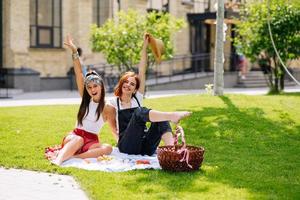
[253, 85]
[255, 73]
[261, 84]
[252, 81]
[289, 83]
[253, 78]
[9, 92]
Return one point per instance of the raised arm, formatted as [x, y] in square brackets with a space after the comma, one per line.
[143, 64]
[77, 65]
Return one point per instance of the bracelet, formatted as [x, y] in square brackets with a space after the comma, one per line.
[75, 55]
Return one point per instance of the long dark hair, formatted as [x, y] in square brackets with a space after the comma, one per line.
[86, 98]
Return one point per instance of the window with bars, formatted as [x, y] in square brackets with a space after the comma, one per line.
[101, 10]
[46, 23]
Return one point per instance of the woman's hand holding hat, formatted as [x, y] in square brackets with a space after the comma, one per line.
[146, 39]
[157, 47]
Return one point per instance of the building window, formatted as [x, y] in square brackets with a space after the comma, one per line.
[101, 10]
[45, 23]
[158, 5]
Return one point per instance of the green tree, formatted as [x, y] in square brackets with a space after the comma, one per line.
[120, 39]
[254, 38]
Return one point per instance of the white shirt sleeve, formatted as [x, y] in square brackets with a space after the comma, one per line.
[139, 96]
[113, 102]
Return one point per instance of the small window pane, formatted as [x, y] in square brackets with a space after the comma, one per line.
[95, 11]
[57, 13]
[32, 12]
[45, 12]
[154, 4]
[56, 37]
[44, 37]
[101, 10]
[33, 36]
[104, 11]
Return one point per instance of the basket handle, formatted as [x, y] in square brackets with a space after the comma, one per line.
[179, 132]
[186, 153]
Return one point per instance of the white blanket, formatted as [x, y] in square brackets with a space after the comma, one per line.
[119, 162]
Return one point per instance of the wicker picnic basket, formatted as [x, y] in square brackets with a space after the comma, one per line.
[180, 158]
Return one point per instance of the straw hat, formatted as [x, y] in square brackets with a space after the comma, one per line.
[157, 47]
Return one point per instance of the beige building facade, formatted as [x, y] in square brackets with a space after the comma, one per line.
[48, 56]
[76, 18]
[33, 31]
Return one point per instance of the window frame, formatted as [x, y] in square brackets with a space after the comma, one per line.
[50, 28]
[98, 15]
[165, 6]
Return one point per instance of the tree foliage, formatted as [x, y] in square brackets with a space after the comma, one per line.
[254, 38]
[120, 39]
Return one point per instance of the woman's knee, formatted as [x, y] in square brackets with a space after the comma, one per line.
[107, 148]
[72, 137]
[162, 127]
[141, 114]
[77, 140]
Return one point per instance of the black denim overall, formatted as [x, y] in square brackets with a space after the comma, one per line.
[134, 138]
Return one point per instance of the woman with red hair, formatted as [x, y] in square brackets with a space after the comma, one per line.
[132, 136]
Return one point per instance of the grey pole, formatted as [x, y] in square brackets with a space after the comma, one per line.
[219, 55]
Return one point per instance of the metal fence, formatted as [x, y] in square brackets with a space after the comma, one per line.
[178, 68]
[3, 84]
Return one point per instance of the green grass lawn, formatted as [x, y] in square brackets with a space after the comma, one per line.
[252, 149]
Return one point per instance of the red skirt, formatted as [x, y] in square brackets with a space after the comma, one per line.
[88, 139]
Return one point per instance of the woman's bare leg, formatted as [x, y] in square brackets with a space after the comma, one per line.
[167, 138]
[71, 145]
[175, 117]
[95, 151]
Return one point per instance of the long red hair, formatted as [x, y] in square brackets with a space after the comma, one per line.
[124, 77]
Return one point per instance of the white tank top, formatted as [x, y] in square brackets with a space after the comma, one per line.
[90, 122]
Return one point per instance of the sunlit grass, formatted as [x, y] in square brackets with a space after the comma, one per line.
[252, 149]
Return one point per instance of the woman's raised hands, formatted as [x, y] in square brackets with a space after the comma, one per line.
[69, 43]
[146, 39]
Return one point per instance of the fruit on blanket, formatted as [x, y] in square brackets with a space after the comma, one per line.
[145, 162]
[104, 157]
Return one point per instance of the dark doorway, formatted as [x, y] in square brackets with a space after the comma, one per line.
[200, 36]
[199, 46]
[234, 57]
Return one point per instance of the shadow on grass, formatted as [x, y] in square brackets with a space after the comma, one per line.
[244, 149]
[286, 94]
[292, 94]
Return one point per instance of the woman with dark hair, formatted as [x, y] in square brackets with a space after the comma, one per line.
[83, 141]
[133, 137]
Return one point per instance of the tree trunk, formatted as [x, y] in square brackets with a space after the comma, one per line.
[219, 55]
[282, 75]
[276, 76]
[270, 75]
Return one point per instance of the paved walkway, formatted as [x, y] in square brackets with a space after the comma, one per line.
[64, 97]
[23, 184]
[16, 184]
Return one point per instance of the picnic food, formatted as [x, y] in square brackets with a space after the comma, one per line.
[104, 158]
[145, 162]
